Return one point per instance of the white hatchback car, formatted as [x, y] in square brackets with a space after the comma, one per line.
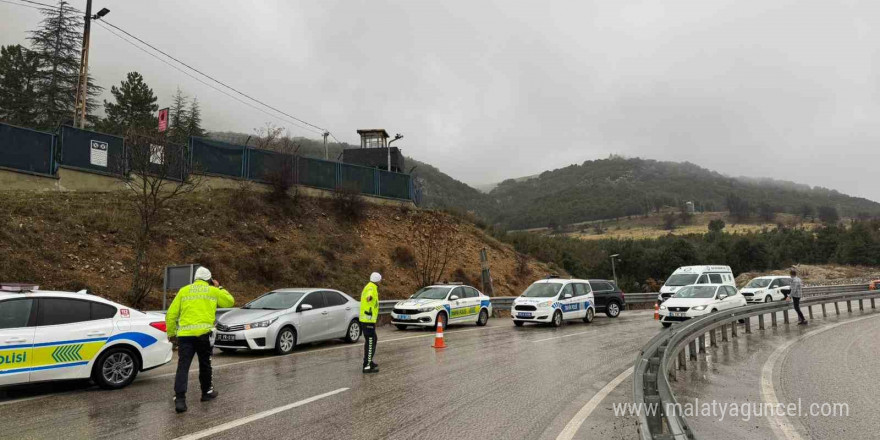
[48, 335]
[554, 300]
[766, 289]
[698, 300]
[446, 303]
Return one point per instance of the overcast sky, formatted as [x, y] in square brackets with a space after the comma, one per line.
[487, 90]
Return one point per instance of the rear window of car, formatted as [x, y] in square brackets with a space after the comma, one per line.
[102, 311]
[334, 299]
[58, 311]
[472, 293]
[601, 286]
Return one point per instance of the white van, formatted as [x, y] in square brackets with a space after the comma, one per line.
[689, 275]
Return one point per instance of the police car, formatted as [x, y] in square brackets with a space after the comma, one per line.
[446, 303]
[553, 301]
[47, 335]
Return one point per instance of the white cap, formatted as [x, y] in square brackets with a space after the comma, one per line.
[202, 273]
[375, 277]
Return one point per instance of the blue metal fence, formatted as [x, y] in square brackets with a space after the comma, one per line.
[92, 151]
[27, 150]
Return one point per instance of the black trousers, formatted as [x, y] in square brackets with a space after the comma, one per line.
[370, 341]
[797, 308]
[187, 348]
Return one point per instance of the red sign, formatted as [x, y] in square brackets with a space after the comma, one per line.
[124, 312]
[163, 120]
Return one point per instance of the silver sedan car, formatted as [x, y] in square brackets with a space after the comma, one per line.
[281, 319]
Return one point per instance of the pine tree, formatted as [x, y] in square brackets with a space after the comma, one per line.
[194, 120]
[134, 109]
[58, 42]
[18, 77]
[178, 115]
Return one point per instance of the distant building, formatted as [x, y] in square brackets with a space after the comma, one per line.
[374, 151]
[689, 206]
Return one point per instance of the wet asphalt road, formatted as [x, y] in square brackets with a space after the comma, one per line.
[832, 360]
[497, 381]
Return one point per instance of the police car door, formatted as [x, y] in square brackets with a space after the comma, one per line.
[16, 340]
[473, 303]
[458, 306]
[568, 303]
[581, 294]
[70, 332]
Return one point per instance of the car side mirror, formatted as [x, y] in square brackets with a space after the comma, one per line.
[722, 297]
[567, 295]
[305, 307]
[453, 298]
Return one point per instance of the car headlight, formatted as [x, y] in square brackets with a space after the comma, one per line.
[425, 309]
[545, 304]
[700, 308]
[758, 292]
[662, 307]
[260, 324]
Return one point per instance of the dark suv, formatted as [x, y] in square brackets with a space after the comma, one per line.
[609, 298]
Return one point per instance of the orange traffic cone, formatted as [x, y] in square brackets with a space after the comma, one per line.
[438, 339]
[656, 311]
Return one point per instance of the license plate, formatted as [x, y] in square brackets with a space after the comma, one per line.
[403, 317]
[676, 314]
[523, 315]
[225, 338]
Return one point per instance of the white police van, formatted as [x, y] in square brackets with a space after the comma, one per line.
[553, 301]
[46, 335]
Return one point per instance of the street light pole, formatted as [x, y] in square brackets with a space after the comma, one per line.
[326, 152]
[613, 270]
[82, 84]
[396, 137]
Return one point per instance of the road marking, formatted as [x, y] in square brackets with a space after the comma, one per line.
[243, 421]
[25, 399]
[780, 424]
[575, 423]
[563, 336]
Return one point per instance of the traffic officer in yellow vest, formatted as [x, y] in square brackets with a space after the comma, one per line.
[191, 319]
[369, 316]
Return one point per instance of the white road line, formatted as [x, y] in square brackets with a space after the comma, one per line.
[243, 421]
[563, 336]
[781, 425]
[26, 399]
[575, 423]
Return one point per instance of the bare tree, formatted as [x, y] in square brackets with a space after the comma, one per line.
[157, 172]
[434, 239]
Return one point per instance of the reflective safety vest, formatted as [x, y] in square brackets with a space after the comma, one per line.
[370, 307]
[194, 309]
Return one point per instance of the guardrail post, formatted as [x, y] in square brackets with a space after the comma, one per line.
[824, 314]
[682, 360]
[773, 319]
[872, 303]
[713, 342]
[810, 311]
[836, 308]
[692, 349]
[702, 343]
[748, 324]
[785, 316]
[848, 306]
[655, 421]
[733, 329]
[861, 306]
[761, 322]
[724, 333]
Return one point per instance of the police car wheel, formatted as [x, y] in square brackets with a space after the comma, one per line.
[400, 326]
[116, 368]
[518, 323]
[768, 299]
[666, 324]
[557, 319]
[285, 341]
[590, 315]
[483, 319]
[354, 331]
[613, 309]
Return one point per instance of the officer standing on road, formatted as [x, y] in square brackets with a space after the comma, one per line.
[797, 288]
[368, 318]
[191, 319]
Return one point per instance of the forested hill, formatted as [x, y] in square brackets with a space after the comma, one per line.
[441, 191]
[616, 187]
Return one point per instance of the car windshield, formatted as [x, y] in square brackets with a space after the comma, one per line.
[682, 279]
[542, 290]
[431, 293]
[759, 282]
[275, 301]
[696, 292]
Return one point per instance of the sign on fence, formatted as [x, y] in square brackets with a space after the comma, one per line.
[98, 156]
[92, 151]
[163, 120]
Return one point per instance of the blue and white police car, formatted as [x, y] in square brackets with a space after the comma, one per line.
[46, 335]
[553, 301]
[447, 303]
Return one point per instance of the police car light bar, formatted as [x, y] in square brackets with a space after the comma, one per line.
[18, 287]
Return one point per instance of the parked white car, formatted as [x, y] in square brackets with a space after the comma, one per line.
[553, 301]
[765, 289]
[698, 300]
[46, 336]
[446, 303]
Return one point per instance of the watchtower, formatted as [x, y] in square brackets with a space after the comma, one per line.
[375, 151]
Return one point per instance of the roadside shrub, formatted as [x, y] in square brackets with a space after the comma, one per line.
[348, 204]
[403, 257]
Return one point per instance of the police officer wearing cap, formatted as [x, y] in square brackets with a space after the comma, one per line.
[368, 318]
[191, 318]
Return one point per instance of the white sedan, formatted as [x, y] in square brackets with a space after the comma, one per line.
[446, 303]
[48, 336]
[765, 289]
[698, 300]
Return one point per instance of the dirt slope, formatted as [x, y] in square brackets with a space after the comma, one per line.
[77, 240]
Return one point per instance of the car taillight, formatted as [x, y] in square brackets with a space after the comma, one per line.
[159, 325]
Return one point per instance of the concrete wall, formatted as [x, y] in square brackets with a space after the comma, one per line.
[18, 181]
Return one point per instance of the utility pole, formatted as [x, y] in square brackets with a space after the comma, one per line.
[82, 84]
[613, 270]
[326, 152]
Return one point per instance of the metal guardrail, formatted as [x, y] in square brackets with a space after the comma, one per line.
[651, 387]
